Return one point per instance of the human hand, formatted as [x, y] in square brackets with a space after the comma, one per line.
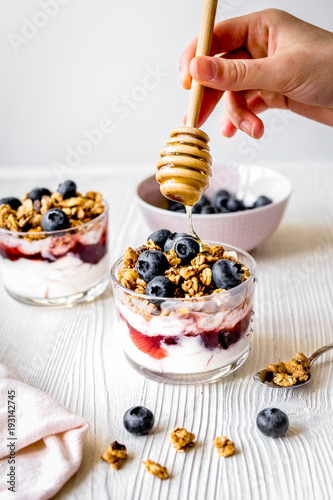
[270, 60]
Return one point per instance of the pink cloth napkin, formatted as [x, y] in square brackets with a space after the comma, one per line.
[47, 450]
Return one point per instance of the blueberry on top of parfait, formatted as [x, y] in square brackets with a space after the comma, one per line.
[14, 203]
[151, 263]
[186, 248]
[55, 219]
[160, 286]
[226, 274]
[159, 237]
[171, 240]
[38, 193]
[67, 189]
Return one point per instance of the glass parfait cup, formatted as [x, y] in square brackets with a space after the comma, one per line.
[56, 268]
[187, 340]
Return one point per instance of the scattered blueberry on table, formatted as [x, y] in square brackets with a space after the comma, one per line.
[272, 422]
[138, 420]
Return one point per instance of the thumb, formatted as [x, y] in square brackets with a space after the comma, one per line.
[237, 74]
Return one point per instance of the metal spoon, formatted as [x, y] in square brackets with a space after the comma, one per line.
[259, 377]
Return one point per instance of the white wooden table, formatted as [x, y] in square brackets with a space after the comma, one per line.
[75, 356]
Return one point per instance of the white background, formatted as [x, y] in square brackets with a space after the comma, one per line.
[85, 58]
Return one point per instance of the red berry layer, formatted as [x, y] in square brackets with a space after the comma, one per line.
[90, 254]
[153, 345]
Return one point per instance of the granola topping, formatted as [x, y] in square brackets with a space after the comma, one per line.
[290, 373]
[28, 217]
[115, 455]
[190, 280]
[182, 439]
[156, 469]
[224, 447]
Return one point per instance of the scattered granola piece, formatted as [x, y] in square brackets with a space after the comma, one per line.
[224, 447]
[182, 439]
[115, 455]
[156, 469]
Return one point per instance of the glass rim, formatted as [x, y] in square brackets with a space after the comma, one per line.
[58, 232]
[232, 291]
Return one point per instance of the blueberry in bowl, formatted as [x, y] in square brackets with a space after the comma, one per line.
[219, 199]
[236, 212]
[262, 201]
[53, 248]
[211, 209]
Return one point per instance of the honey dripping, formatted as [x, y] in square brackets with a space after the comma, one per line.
[184, 168]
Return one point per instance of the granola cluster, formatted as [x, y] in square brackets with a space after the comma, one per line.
[28, 217]
[115, 455]
[182, 439]
[224, 447]
[156, 469]
[190, 280]
[290, 373]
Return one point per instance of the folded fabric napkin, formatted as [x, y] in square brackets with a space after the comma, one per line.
[41, 441]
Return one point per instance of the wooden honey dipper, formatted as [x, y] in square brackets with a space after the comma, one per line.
[184, 166]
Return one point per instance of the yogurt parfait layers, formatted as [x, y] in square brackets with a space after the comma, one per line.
[198, 328]
[54, 246]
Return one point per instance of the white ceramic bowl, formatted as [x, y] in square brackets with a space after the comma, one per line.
[246, 229]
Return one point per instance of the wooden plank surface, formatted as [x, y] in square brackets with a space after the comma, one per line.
[75, 356]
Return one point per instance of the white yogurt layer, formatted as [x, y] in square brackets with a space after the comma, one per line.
[174, 324]
[189, 355]
[62, 278]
